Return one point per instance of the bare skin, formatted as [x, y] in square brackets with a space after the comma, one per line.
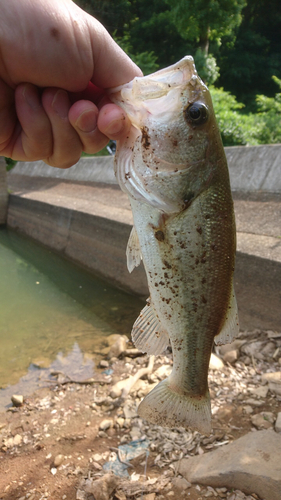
[56, 62]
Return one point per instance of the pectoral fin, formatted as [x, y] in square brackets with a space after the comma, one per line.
[148, 334]
[230, 328]
[133, 251]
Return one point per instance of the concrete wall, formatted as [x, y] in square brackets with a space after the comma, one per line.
[99, 242]
[254, 168]
[3, 191]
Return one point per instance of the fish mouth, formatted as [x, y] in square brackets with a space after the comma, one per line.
[161, 82]
[159, 93]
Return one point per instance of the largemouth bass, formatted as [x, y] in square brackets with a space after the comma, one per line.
[173, 167]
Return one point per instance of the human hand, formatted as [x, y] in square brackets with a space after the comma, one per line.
[55, 63]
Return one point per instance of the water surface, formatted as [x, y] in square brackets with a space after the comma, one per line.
[49, 305]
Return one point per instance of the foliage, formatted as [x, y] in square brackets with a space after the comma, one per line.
[238, 128]
[206, 66]
[236, 45]
[145, 60]
[269, 109]
[205, 20]
[248, 61]
[9, 163]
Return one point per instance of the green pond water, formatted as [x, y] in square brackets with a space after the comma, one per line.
[52, 313]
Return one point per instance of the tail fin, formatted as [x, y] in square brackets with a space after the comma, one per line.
[163, 406]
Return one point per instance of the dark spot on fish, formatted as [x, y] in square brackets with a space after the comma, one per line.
[175, 142]
[55, 33]
[166, 263]
[155, 284]
[199, 229]
[204, 300]
[159, 235]
[203, 281]
[214, 247]
[145, 138]
[161, 283]
[166, 275]
[127, 176]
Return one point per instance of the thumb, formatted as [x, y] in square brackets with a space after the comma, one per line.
[112, 67]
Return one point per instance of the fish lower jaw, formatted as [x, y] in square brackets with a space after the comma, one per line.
[166, 407]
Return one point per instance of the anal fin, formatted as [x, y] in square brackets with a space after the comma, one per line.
[133, 251]
[230, 329]
[148, 334]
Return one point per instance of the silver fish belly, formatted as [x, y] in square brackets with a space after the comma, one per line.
[172, 166]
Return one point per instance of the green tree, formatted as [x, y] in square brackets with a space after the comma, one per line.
[204, 20]
[248, 61]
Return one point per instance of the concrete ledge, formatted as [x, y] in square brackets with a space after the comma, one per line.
[254, 168]
[88, 169]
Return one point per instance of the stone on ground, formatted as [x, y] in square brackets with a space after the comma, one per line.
[251, 464]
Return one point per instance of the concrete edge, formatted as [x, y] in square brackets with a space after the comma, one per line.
[251, 169]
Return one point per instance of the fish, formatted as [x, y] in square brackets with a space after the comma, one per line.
[173, 167]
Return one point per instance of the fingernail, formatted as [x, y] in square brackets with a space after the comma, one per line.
[115, 127]
[87, 121]
[61, 104]
[30, 94]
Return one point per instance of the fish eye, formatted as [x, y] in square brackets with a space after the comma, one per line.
[197, 113]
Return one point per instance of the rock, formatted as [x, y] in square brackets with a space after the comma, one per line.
[278, 422]
[118, 347]
[104, 363]
[181, 484]
[275, 387]
[260, 391]
[58, 460]
[17, 440]
[81, 495]
[248, 409]
[102, 488]
[120, 422]
[150, 496]
[106, 424]
[252, 464]
[223, 349]
[216, 363]
[269, 349]
[274, 381]
[17, 400]
[130, 410]
[97, 457]
[271, 377]
[253, 402]
[163, 371]
[263, 420]
[252, 348]
[231, 356]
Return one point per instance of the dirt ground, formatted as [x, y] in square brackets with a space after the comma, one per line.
[58, 439]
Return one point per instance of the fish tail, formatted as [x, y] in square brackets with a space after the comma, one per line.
[163, 406]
